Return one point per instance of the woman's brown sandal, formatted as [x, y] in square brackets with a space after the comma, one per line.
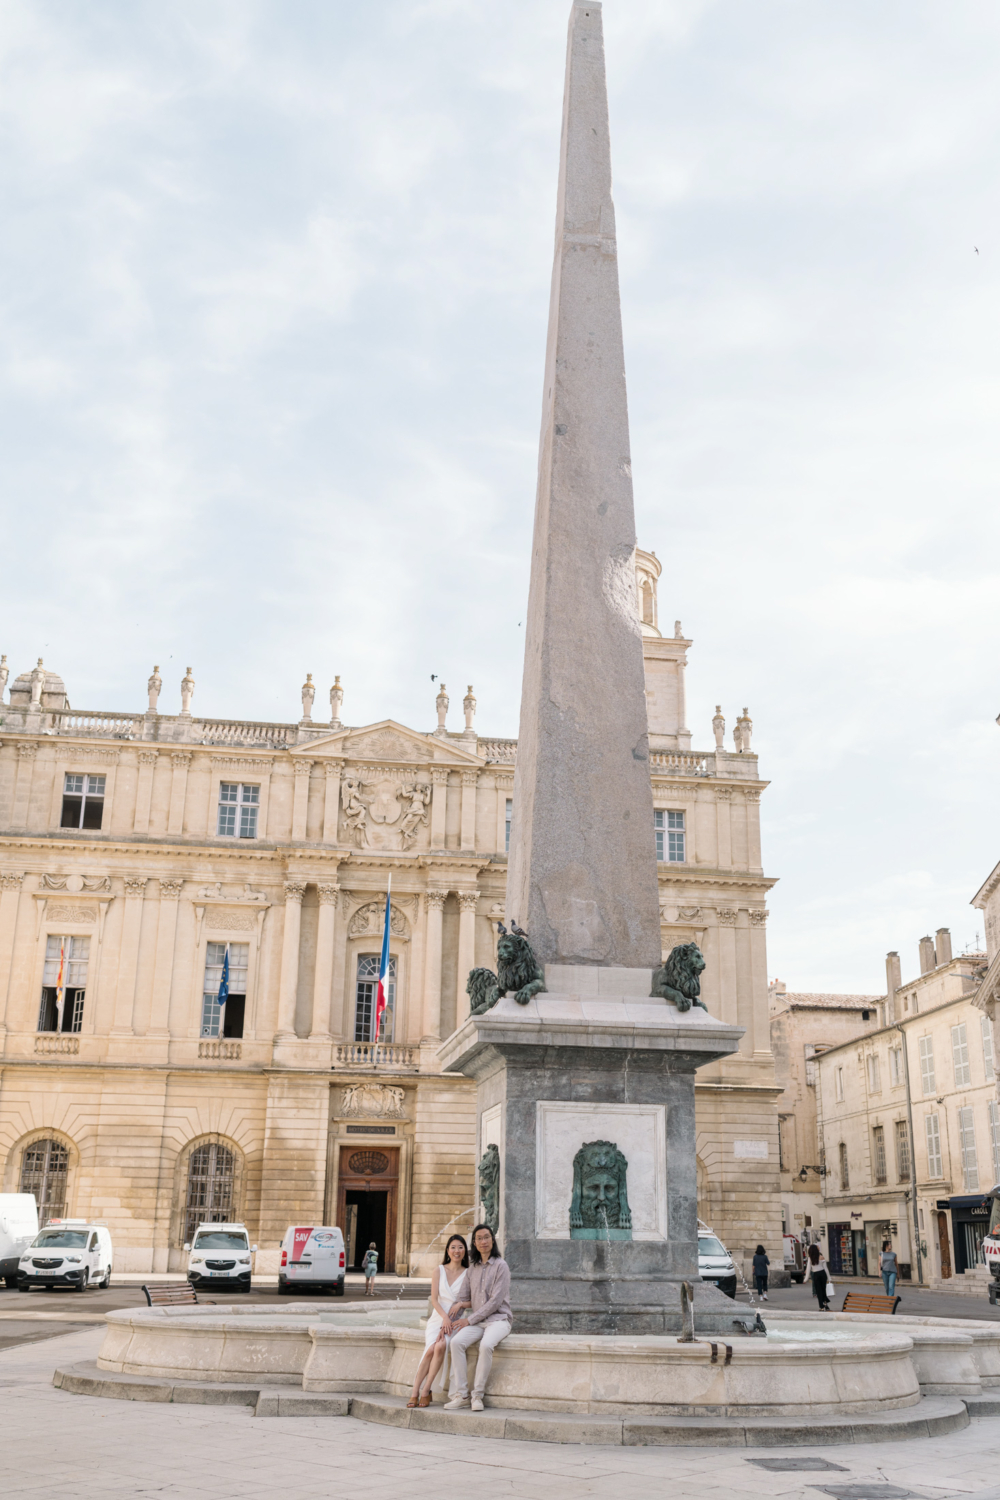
[425, 1400]
[413, 1401]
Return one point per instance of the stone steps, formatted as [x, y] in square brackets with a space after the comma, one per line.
[932, 1417]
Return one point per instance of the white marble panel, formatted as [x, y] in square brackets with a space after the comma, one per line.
[639, 1132]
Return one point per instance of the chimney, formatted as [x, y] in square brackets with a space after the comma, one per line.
[893, 975]
[942, 945]
[927, 958]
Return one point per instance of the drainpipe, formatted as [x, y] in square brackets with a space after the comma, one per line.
[913, 1156]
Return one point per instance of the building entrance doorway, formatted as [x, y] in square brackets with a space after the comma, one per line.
[367, 1202]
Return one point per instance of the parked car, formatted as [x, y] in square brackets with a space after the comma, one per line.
[220, 1256]
[795, 1257]
[67, 1252]
[312, 1259]
[18, 1227]
[715, 1262]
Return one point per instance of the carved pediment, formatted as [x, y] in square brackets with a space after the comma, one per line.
[372, 1101]
[388, 743]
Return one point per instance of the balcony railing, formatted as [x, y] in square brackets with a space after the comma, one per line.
[243, 732]
[220, 1051]
[679, 762]
[48, 1046]
[108, 726]
[372, 1055]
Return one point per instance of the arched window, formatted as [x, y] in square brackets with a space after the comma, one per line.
[44, 1167]
[647, 602]
[210, 1187]
[365, 999]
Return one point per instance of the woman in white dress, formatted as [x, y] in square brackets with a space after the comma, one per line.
[449, 1297]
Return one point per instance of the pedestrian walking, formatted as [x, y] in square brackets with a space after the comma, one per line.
[370, 1267]
[821, 1283]
[888, 1267]
[760, 1265]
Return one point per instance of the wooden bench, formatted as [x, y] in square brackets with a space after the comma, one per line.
[172, 1294]
[870, 1302]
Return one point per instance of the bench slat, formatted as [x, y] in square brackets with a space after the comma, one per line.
[870, 1302]
[171, 1293]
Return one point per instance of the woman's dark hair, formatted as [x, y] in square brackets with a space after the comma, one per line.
[814, 1254]
[452, 1239]
[886, 1245]
[760, 1250]
[474, 1254]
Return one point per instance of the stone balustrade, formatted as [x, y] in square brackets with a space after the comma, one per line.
[375, 1055]
[48, 1045]
[220, 1051]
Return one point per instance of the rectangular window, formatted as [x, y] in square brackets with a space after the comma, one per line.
[878, 1153]
[874, 1082]
[995, 1138]
[64, 983]
[988, 1053]
[364, 1006]
[238, 809]
[227, 1019]
[902, 1151]
[925, 1047]
[932, 1131]
[967, 1142]
[896, 1066]
[839, 1081]
[507, 821]
[83, 801]
[960, 1055]
[668, 830]
[845, 1176]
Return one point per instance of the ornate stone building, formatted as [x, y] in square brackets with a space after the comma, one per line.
[137, 850]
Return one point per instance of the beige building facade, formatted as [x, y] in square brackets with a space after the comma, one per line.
[140, 851]
[911, 1108]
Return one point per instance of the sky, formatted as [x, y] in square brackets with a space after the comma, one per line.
[273, 298]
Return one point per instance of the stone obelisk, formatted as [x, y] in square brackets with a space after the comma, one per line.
[582, 869]
[587, 1089]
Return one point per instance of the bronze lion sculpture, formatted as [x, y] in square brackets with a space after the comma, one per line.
[482, 991]
[517, 969]
[679, 978]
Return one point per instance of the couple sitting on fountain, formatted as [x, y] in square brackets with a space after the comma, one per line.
[480, 1296]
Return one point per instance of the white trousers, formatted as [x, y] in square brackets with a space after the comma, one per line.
[490, 1334]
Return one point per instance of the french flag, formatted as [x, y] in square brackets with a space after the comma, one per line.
[382, 996]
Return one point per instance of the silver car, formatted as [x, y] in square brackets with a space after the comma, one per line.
[715, 1262]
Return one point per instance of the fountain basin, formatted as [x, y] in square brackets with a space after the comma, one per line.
[797, 1372]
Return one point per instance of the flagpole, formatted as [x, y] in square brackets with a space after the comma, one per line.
[382, 981]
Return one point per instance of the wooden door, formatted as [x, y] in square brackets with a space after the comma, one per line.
[944, 1245]
[371, 1169]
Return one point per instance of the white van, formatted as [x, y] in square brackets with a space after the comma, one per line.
[312, 1258]
[67, 1252]
[220, 1256]
[18, 1227]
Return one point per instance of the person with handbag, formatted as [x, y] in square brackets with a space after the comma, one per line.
[821, 1283]
[888, 1267]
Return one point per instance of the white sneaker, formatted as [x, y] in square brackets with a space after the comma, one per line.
[457, 1403]
[477, 1403]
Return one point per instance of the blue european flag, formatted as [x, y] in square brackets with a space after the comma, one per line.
[224, 981]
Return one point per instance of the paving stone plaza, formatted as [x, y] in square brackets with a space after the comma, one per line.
[98, 1450]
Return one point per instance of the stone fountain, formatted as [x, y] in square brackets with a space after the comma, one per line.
[594, 1068]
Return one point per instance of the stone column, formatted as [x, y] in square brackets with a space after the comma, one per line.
[752, 796]
[331, 805]
[727, 918]
[289, 980]
[300, 801]
[144, 788]
[323, 986]
[178, 790]
[434, 908]
[467, 901]
[470, 780]
[22, 785]
[10, 895]
[723, 815]
[128, 961]
[758, 975]
[161, 1021]
[439, 808]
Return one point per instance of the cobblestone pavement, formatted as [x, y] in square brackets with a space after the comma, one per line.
[84, 1448]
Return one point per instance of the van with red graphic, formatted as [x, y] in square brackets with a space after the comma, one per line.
[312, 1260]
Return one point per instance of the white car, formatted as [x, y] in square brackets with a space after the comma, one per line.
[67, 1252]
[313, 1259]
[715, 1263]
[220, 1256]
[18, 1227]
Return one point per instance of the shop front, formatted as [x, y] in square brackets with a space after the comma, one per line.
[970, 1217]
